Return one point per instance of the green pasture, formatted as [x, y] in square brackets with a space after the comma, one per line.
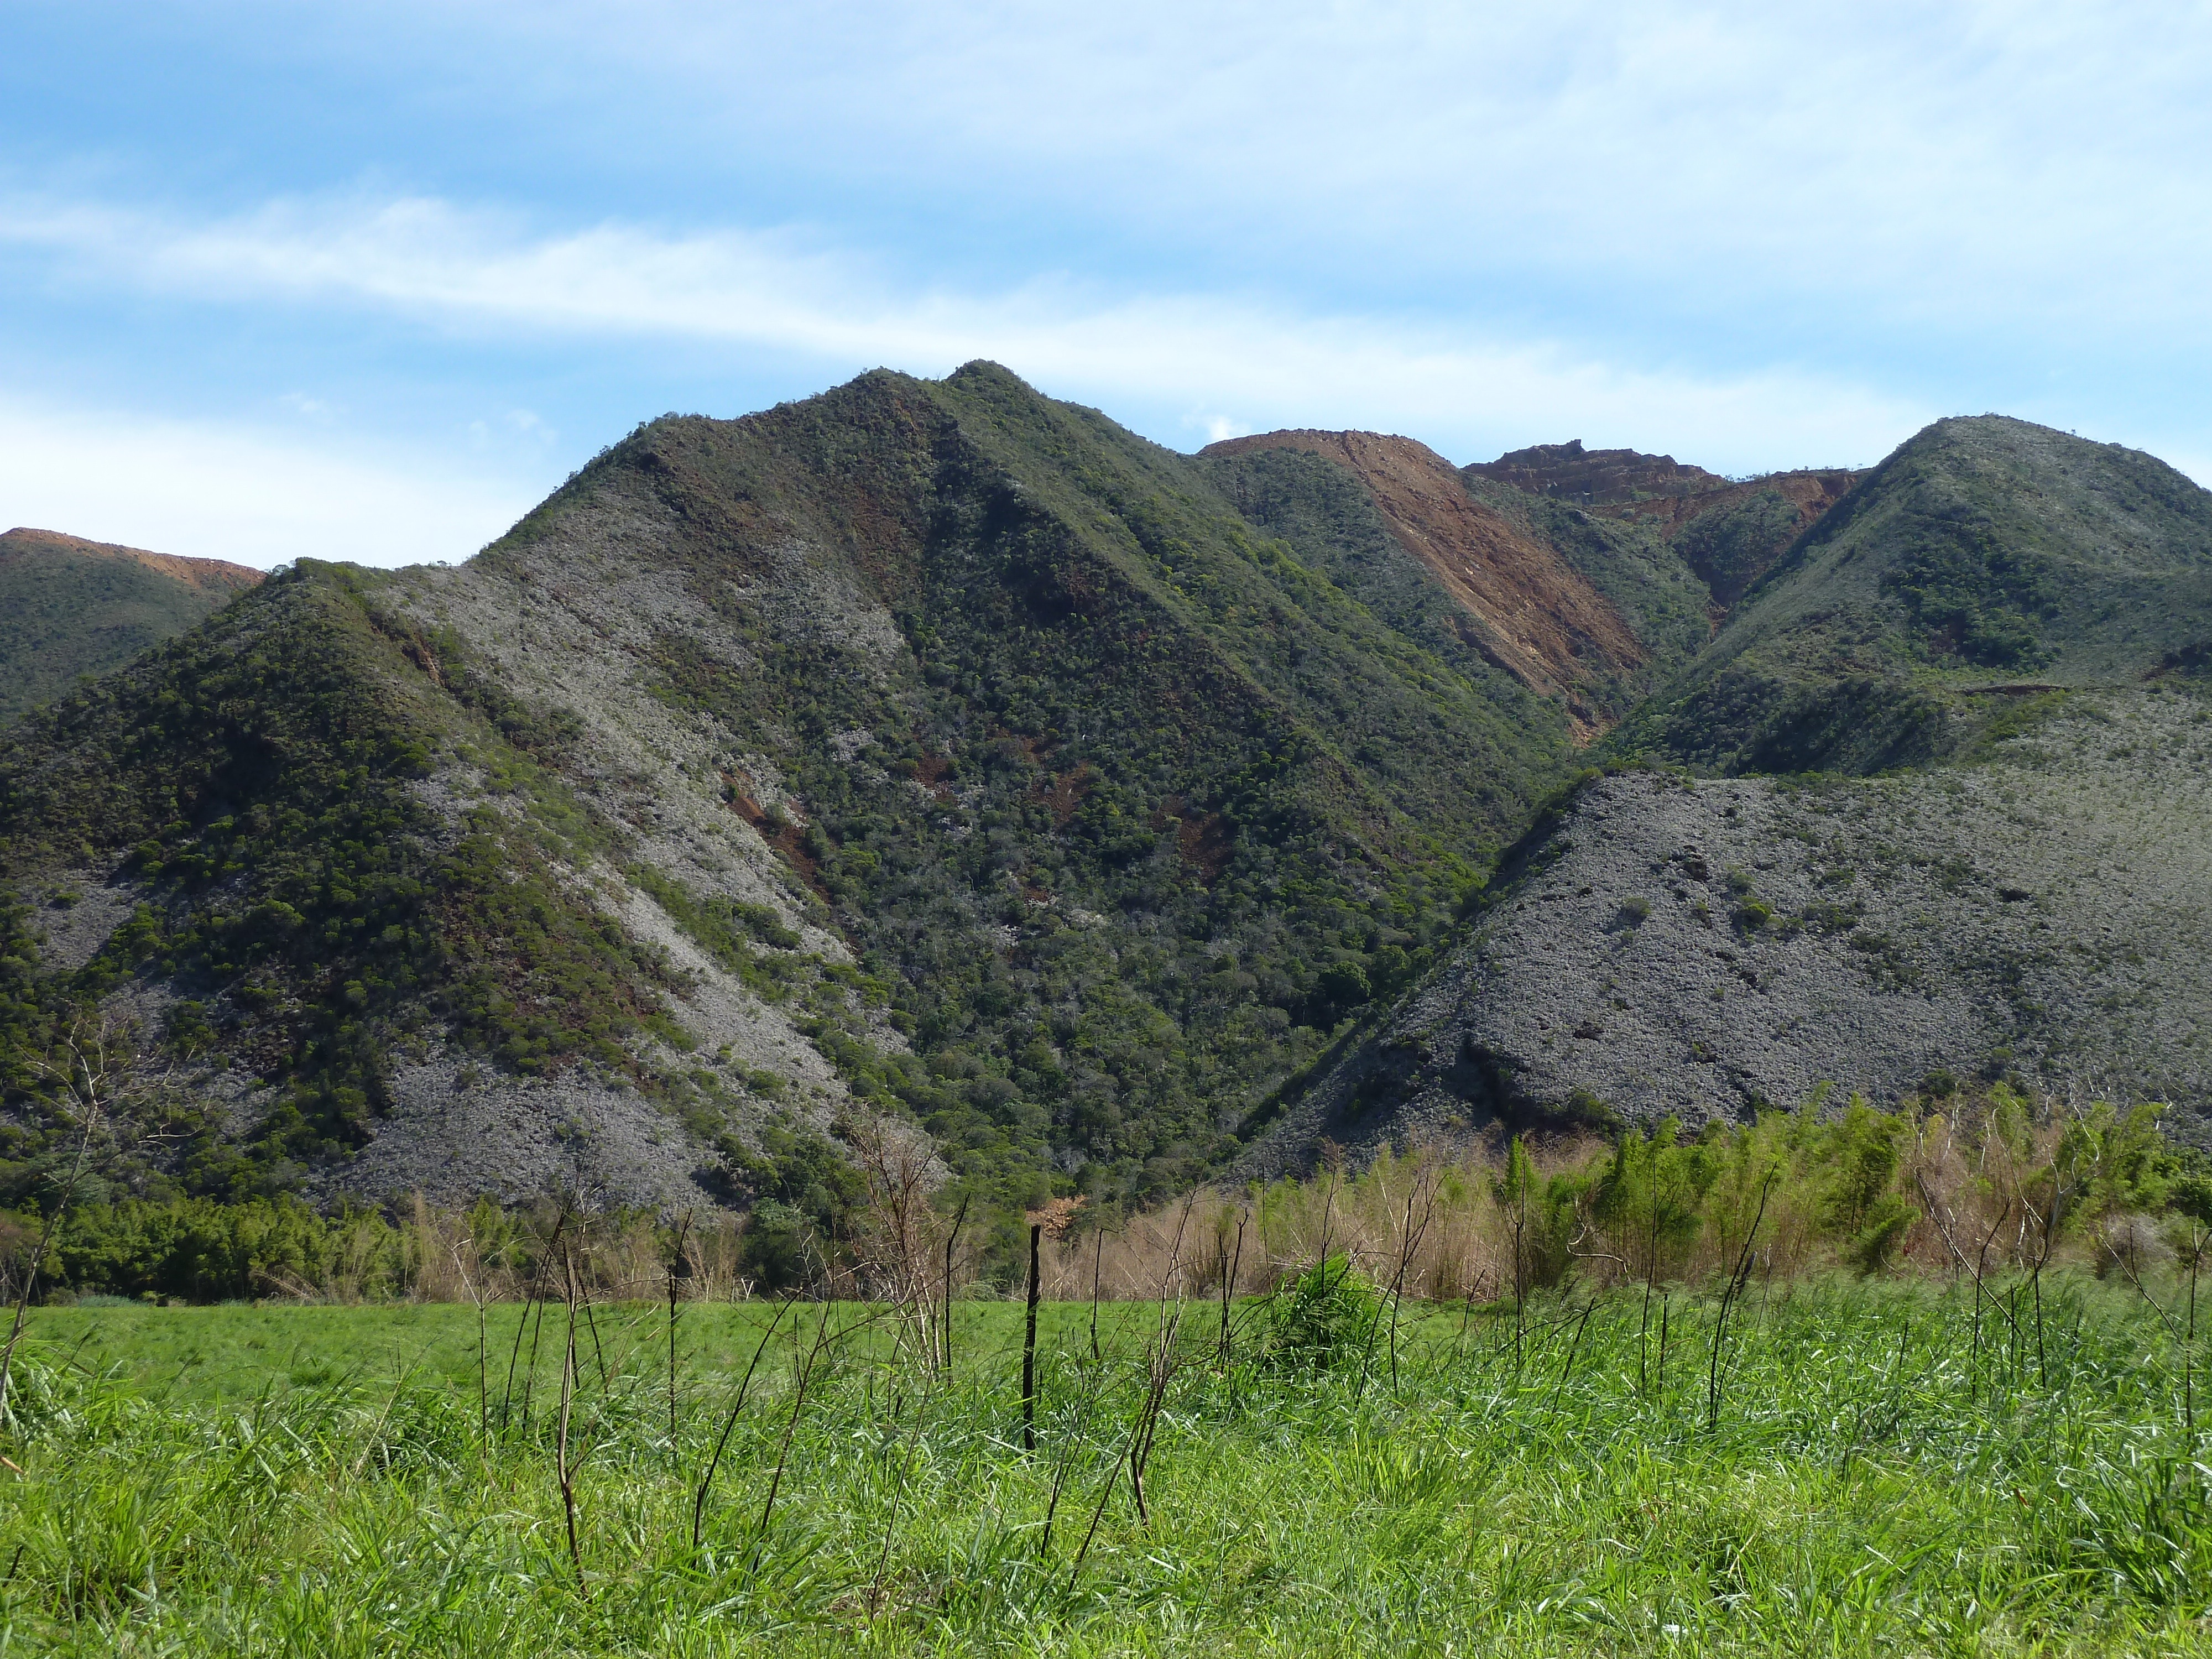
[238, 1351]
[1854, 1467]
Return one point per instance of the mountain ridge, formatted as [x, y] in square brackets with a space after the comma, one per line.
[926, 747]
[1965, 711]
[936, 750]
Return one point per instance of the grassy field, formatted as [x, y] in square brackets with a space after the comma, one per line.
[1857, 1467]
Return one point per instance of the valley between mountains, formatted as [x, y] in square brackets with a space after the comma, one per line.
[936, 754]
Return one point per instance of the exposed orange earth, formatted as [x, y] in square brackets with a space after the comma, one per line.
[220, 573]
[1527, 609]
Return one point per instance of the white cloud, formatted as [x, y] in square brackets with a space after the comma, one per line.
[1977, 163]
[1462, 392]
[251, 497]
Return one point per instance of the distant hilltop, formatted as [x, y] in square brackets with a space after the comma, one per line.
[69, 606]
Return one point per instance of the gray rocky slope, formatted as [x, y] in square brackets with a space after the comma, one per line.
[1699, 948]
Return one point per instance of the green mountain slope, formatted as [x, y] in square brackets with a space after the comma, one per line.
[70, 607]
[1986, 553]
[939, 752]
[924, 748]
[1726, 532]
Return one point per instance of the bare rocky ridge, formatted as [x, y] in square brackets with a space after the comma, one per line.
[1697, 949]
[572, 622]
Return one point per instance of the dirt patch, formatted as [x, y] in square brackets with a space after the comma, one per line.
[781, 834]
[1065, 793]
[1022, 746]
[1811, 494]
[1206, 841]
[1529, 613]
[930, 771]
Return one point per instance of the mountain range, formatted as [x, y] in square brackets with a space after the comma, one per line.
[939, 750]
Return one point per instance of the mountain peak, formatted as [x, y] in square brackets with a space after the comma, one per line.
[1595, 478]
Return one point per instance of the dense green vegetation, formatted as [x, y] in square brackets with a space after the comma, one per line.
[1140, 809]
[1836, 1469]
[1732, 546]
[1794, 1386]
[69, 609]
[1135, 784]
[1214, 803]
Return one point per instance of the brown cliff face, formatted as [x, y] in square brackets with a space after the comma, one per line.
[1594, 477]
[1527, 609]
[1811, 494]
[214, 574]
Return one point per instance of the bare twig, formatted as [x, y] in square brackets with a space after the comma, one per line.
[1029, 1345]
[564, 1467]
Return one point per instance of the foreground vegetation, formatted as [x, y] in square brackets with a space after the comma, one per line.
[1850, 1467]
[1924, 1381]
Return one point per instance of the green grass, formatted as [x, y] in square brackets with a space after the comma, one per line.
[317, 1482]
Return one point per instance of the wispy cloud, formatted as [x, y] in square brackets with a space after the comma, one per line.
[1974, 164]
[253, 497]
[1756, 233]
[455, 270]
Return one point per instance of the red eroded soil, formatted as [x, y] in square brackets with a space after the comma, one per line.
[197, 573]
[1204, 839]
[1530, 611]
[786, 837]
[1595, 478]
[1066, 792]
[1661, 491]
[1811, 493]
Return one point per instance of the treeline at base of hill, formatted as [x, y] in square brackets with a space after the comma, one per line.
[1987, 1184]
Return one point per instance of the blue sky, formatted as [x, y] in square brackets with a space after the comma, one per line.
[366, 282]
